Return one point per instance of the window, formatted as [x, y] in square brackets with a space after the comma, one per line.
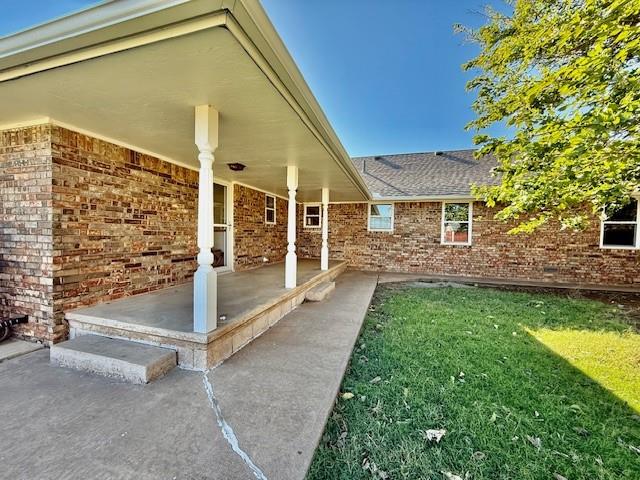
[312, 216]
[620, 228]
[269, 209]
[456, 223]
[381, 217]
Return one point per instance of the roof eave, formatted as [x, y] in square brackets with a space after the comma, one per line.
[425, 198]
[89, 33]
[95, 25]
[254, 21]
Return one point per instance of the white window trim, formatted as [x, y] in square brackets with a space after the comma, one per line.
[266, 208]
[393, 214]
[304, 220]
[603, 222]
[442, 225]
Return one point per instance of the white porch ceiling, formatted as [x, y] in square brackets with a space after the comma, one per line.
[145, 97]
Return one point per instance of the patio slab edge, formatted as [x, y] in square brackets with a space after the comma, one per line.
[202, 351]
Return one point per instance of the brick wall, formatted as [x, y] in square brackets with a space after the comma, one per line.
[309, 240]
[85, 221]
[255, 240]
[549, 255]
[123, 222]
[26, 250]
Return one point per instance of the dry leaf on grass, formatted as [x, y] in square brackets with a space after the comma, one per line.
[347, 396]
[535, 441]
[557, 476]
[451, 476]
[434, 435]
[373, 468]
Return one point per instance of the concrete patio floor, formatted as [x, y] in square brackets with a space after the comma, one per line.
[274, 396]
[172, 308]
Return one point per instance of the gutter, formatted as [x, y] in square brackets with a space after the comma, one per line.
[96, 17]
[115, 45]
[426, 198]
[417, 198]
[250, 15]
[340, 156]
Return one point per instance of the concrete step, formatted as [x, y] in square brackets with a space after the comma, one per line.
[320, 292]
[129, 361]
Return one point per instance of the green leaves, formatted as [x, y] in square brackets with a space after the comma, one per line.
[565, 74]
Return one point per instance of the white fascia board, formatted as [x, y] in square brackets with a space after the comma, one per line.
[253, 20]
[426, 198]
[407, 199]
[96, 17]
[118, 34]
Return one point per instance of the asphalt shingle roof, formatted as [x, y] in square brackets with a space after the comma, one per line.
[425, 174]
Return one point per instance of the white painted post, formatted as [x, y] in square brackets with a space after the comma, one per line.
[205, 280]
[324, 251]
[291, 266]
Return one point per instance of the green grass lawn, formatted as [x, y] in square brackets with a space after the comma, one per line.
[527, 386]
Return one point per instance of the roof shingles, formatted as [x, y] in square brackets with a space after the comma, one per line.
[449, 173]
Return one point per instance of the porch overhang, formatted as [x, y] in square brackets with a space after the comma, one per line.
[133, 71]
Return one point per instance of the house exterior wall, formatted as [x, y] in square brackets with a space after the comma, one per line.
[123, 223]
[549, 255]
[254, 239]
[85, 221]
[26, 247]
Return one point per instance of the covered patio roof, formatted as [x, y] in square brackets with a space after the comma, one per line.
[132, 72]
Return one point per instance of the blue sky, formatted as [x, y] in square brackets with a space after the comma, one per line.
[387, 74]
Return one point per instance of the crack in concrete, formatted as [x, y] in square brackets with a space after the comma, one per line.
[227, 431]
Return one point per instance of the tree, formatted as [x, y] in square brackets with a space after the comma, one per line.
[564, 76]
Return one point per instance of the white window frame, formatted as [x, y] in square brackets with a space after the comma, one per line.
[319, 215]
[470, 223]
[604, 222]
[266, 208]
[393, 214]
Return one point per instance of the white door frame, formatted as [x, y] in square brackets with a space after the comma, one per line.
[229, 267]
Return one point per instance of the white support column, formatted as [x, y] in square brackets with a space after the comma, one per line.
[291, 260]
[324, 251]
[205, 281]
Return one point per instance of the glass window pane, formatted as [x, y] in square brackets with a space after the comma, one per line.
[270, 202]
[456, 211]
[380, 223]
[456, 232]
[219, 246]
[619, 235]
[313, 210]
[270, 216]
[313, 221]
[382, 210]
[219, 203]
[627, 213]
